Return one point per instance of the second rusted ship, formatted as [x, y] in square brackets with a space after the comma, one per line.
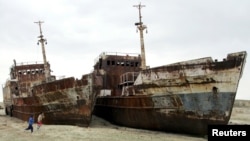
[182, 97]
[32, 89]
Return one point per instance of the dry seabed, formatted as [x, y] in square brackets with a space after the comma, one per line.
[12, 129]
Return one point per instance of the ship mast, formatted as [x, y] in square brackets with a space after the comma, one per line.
[43, 41]
[141, 27]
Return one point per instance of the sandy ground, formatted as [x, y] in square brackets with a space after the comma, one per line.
[12, 129]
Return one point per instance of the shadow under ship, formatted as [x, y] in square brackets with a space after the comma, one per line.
[32, 89]
[183, 97]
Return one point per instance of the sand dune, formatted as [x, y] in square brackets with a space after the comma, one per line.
[12, 129]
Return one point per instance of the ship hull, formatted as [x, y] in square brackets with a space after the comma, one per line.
[183, 97]
[62, 115]
[66, 101]
[185, 113]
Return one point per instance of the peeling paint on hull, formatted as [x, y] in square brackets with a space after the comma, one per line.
[167, 116]
[183, 97]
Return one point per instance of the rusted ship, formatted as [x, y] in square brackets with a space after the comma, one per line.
[32, 89]
[183, 97]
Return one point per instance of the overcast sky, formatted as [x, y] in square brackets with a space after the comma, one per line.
[77, 31]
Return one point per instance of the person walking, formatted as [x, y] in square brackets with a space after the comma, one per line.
[30, 121]
[39, 120]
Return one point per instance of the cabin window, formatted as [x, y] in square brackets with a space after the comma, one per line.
[108, 62]
[113, 62]
[33, 71]
[136, 64]
[127, 63]
[41, 70]
[117, 63]
[28, 71]
[24, 72]
[131, 64]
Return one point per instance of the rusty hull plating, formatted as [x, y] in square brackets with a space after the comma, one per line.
[64, 101]
[182, 97]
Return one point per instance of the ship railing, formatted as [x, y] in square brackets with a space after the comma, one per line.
[29, 63]
[103, 54]
[128, 78]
